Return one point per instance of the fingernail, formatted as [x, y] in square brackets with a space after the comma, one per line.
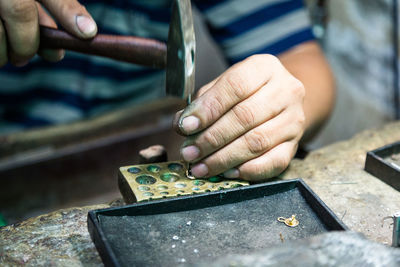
[232, 174]
[22, 63]
[190, 124]
[190, 153]
[86, 25]
[199, 170]
[62, 54]
[177, 117]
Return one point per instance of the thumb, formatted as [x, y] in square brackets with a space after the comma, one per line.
[72, 16]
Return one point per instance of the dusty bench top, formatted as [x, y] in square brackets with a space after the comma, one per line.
[335, 173]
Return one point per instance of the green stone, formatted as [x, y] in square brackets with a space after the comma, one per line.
[175, 167]
[3, 221]
[134, 170]
[169, 177]
[198, 182]
[145, 179]
[214, 179]
[153, 168]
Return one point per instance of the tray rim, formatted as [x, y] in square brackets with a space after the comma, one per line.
[324, 213]
[381, 169]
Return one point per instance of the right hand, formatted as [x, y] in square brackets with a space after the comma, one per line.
[19, 27]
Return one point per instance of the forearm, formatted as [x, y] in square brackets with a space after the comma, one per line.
[308, 64]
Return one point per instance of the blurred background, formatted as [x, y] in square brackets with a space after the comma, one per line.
[46, 169]
[360, 40]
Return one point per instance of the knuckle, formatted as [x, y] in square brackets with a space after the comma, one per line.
[258, 169]
[263, 58]
[301, 118]
[213, 107]
[261, 170]
[26, 51]
[22, 10]
[214, 138]
[218, 162]
[297, 88]
[267, 60]
[75, 5]
[244, 115]
[221, 162]
[298, 121]
[298, 131]
[280, 163]
[257, 142]
[201, 91]
[22, 53]
[236, 85]
[272, 59]
[255, 172]
[257, 58]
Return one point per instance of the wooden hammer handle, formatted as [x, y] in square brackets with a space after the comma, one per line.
[137, 50]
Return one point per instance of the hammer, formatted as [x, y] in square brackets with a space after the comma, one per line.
[177, 56]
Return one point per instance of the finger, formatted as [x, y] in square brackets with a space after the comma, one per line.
[235, 85]
[270, 164]
[177, 116]
[3, 45]
[153, 154]
[20, 19]
[251, 145]
[52, 55]
[44, 18]
[205, 88]
[200, 92]
[176, 120]
[72, 16]
[246, 115]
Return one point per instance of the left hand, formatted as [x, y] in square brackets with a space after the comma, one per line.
[246, 123]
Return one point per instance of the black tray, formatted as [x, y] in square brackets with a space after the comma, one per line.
[189, 229]
[378, 165]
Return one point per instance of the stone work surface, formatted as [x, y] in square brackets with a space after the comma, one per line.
[335, 173]
[330, 249]
[56, 239]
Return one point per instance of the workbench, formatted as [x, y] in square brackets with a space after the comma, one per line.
[336, 173]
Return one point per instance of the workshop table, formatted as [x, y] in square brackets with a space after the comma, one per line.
[336, 173]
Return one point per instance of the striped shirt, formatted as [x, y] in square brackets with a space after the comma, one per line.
[81, 86]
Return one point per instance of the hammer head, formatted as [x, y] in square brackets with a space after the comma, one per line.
[181, 49]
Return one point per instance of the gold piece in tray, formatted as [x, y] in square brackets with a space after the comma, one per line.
[291, 221]
[168, 179]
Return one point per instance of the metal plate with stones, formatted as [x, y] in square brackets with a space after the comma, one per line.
[168, 179]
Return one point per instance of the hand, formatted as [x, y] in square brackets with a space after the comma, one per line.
[19, 27]
[246, 123]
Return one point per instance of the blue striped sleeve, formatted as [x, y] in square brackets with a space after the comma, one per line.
[243, 28]
[157, 11]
